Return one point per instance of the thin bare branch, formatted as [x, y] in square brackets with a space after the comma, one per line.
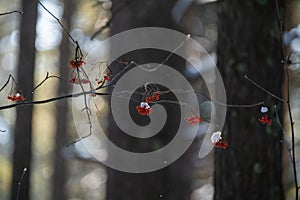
[6, 83]
[59, 22]
[26, 103]
[20, 183]
[44, 80]
[264, 89]
[11, 12]
[285, 143]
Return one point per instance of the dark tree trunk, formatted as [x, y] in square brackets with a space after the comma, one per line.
[170, 183]
[249, 44]
[59, 176]
[23, 127]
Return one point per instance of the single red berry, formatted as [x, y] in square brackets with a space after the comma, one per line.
[16, 97]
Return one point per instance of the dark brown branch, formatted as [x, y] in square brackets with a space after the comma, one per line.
[43, 81]
[11, 12]
[59, 22]
[6, 83]
[25, 103]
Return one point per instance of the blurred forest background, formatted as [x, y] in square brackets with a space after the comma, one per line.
[59, 172]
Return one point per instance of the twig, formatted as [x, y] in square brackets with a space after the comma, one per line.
[87, 109]
[11, 12]
[281, 27]
[117, 76]
[78, 56]
[232, 105]
[286, 145]
[20, 182]
[292, 130]
[43, 81]
[265, 90]
[62, 26]
[174, 51]
[25, 103]
[6, 83]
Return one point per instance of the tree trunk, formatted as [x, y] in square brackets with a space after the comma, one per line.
[23, 127]
[59, 175]
[174, 181]
[249, 44]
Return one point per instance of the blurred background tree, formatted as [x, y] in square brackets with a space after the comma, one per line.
[23, 128]
[174, 181]
[62, 109]
[249, 44]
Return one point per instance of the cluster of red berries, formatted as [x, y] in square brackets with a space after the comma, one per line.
[194, 120]
[106, 77]
[16, 97]
[77, 81]
[144, 109]
[77, 63]
[152, 98]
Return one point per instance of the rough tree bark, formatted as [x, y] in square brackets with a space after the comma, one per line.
[23, 127]
[173, 182]
[249, 44]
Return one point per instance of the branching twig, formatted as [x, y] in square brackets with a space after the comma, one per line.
[6, 83]
[43, 81]
[87, 109]
[175, 50]
[78, 56]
